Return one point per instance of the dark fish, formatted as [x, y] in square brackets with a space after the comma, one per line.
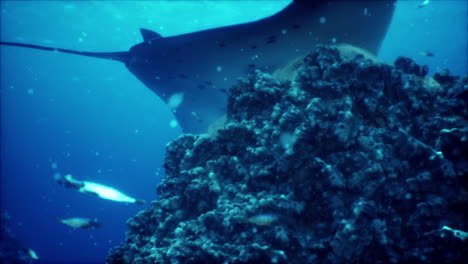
[427, 53]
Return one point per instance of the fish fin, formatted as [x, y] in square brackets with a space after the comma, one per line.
[137, 201]
[95, 224]
[149, 34]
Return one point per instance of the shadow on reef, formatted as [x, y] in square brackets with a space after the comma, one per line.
[349, 161]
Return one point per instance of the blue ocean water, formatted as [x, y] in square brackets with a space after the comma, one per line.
[92, 118]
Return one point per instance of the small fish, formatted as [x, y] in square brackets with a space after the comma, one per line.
[423, 4]
[263, 219]
[80, 222]
[175, 100]
[427, 53]
[31, 253]
[102, 191]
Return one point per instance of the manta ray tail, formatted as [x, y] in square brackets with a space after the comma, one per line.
[118, 56]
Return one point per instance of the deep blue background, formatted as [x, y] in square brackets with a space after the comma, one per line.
[95, 120]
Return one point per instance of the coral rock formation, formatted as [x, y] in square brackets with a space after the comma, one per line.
[353, 161]
[11, 249]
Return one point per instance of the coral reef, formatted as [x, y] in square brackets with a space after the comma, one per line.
[11, 250]
[351, 161]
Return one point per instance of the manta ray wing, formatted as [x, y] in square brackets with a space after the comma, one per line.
[199, 67]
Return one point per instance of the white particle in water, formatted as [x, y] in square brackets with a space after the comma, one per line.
[173, 123]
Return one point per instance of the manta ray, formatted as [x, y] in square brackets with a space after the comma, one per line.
[192, 72]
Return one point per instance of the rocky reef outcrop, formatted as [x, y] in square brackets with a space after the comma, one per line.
[11, 249]
[344, 160]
